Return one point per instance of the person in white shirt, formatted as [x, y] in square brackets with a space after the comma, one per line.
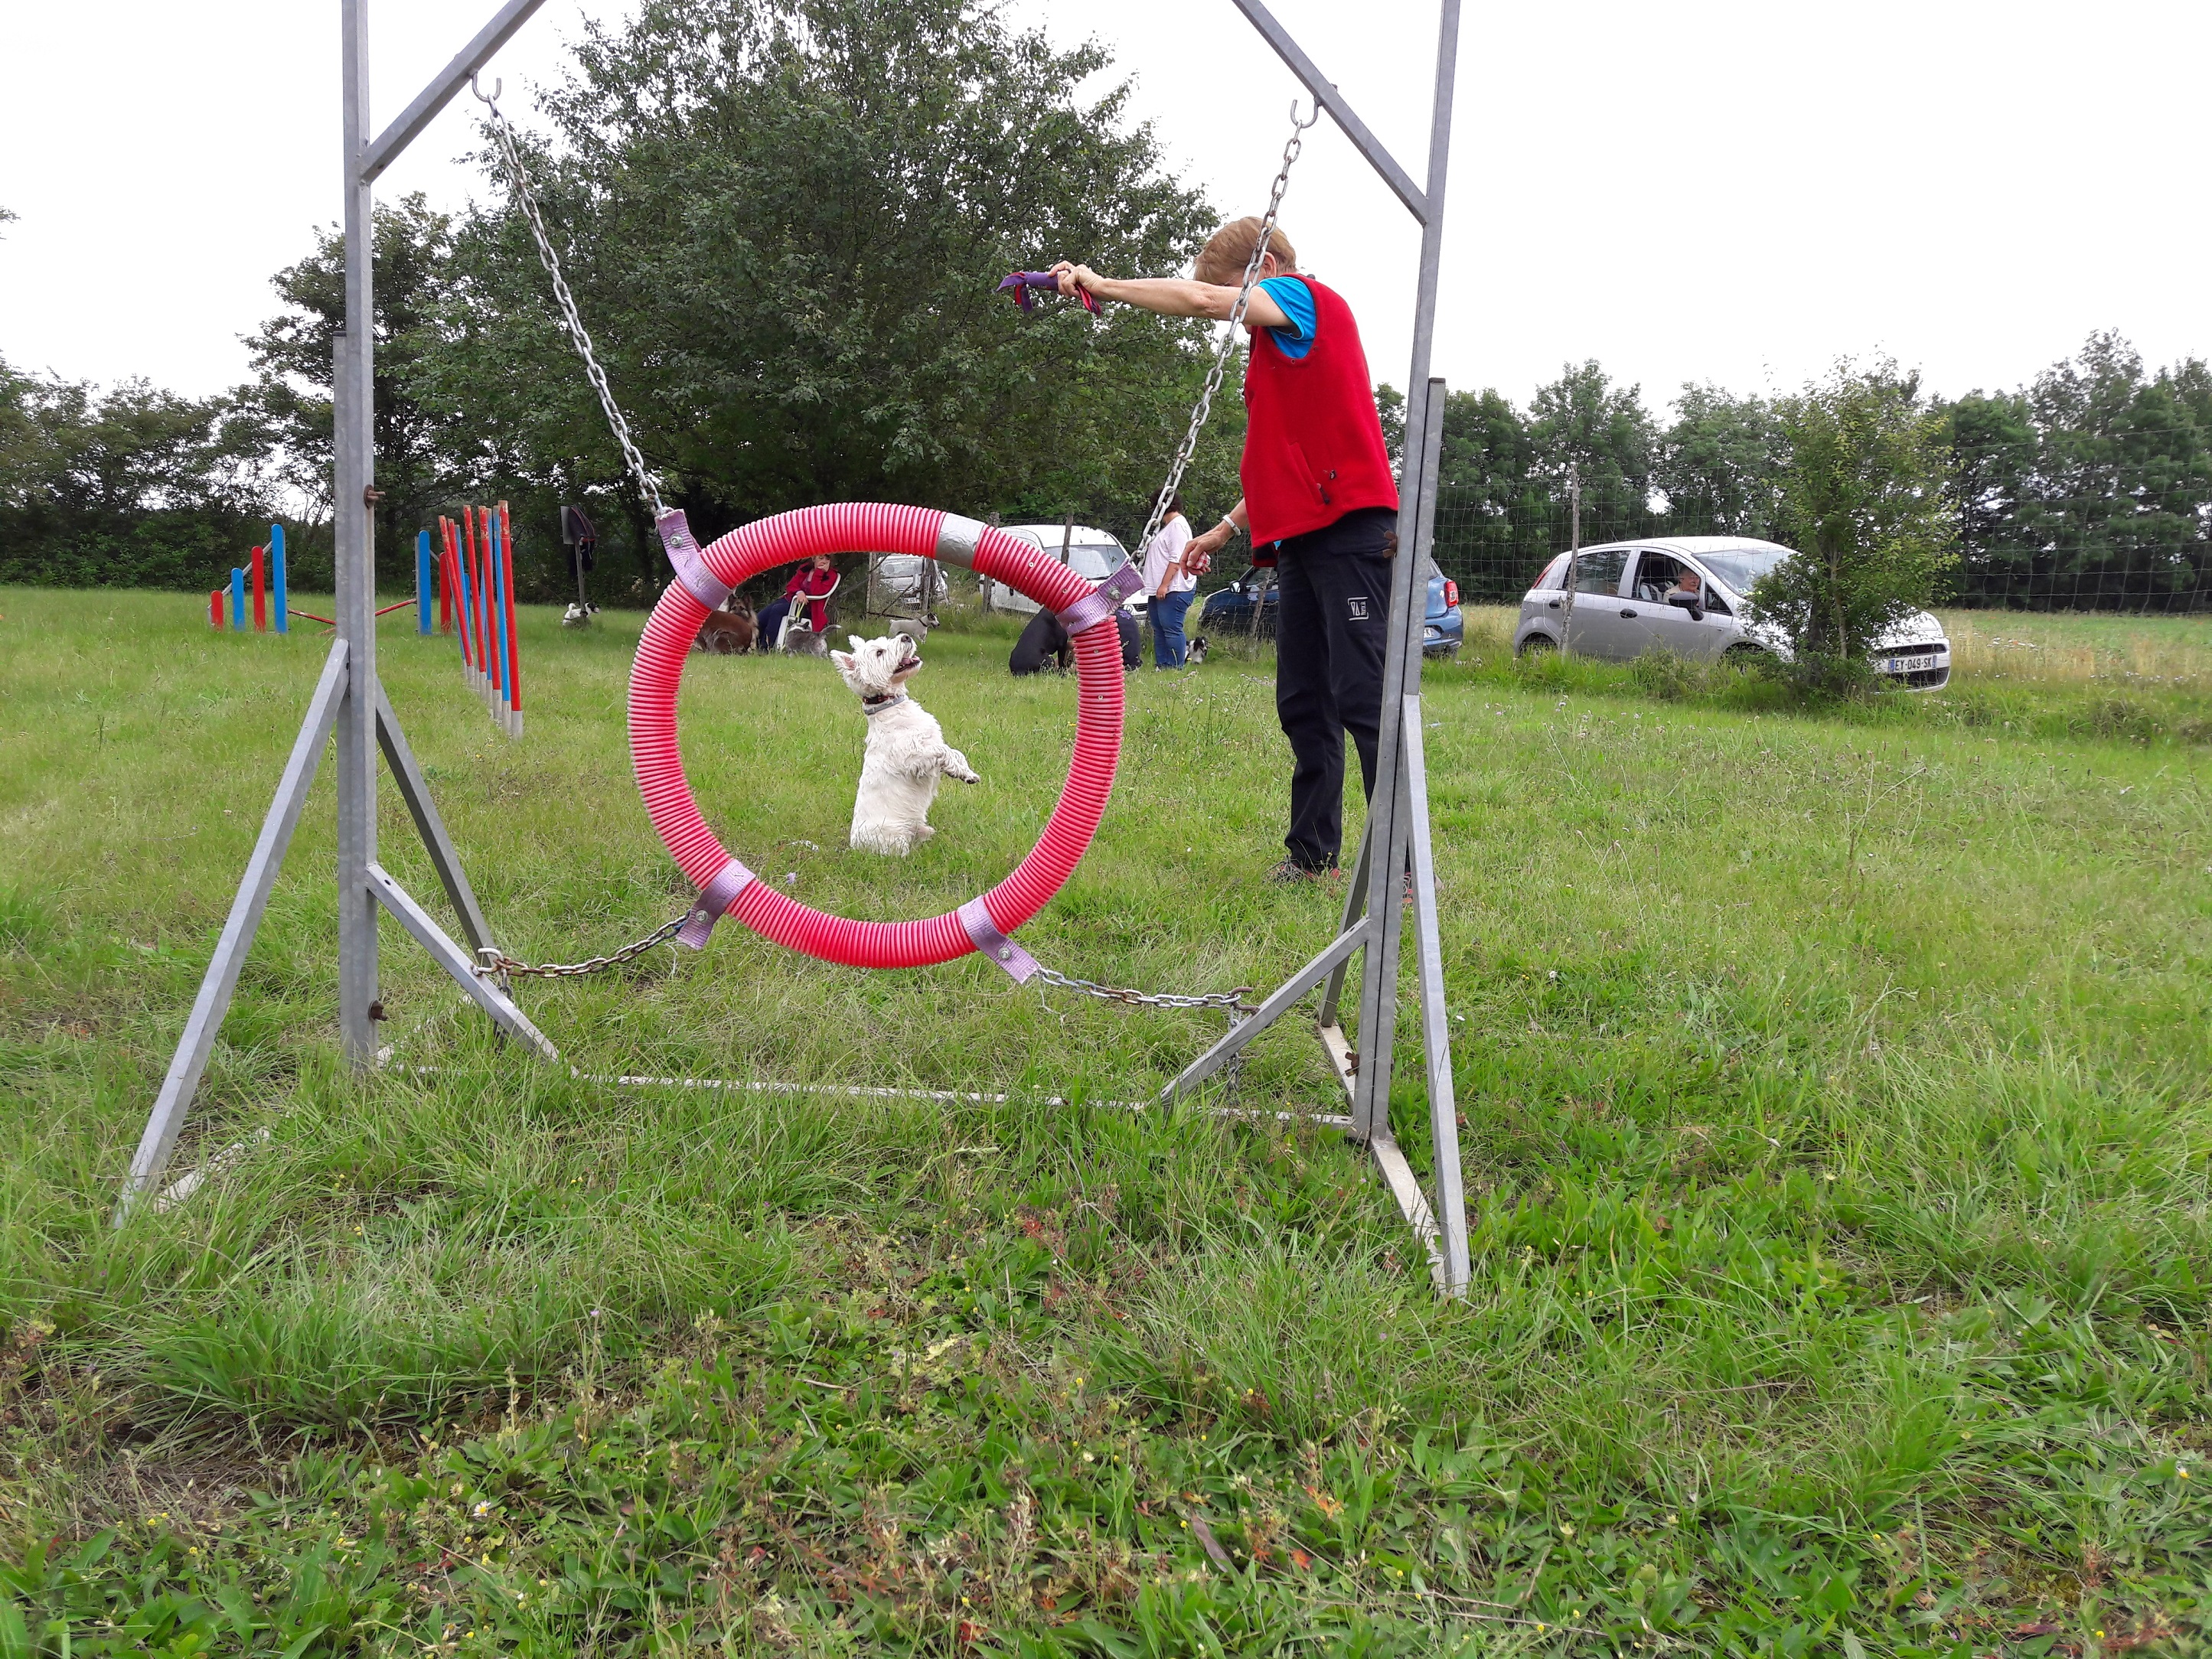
[1171, 586]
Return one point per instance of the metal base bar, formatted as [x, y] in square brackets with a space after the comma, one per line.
[455, 961]
[187, 1065]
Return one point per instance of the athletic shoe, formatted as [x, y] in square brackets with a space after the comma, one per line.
[1290, 870]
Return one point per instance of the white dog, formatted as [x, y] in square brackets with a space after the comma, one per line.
[907, 752]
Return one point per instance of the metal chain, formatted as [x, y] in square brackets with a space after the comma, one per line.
[648, 484]
[1203, 407]
[1231, 1003]
[492, 960]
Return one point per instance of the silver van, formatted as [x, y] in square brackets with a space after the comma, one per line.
[1629, 596]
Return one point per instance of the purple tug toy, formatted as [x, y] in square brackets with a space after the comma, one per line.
[1026, 284]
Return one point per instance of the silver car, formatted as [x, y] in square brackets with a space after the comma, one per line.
[1628, 597]
[1094, 555]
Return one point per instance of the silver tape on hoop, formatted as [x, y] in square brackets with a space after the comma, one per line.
[675, 532]
[955, 541]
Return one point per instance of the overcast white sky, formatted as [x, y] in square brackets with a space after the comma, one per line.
[1703, 190]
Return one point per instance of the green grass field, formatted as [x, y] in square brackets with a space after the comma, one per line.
[1837, 1138]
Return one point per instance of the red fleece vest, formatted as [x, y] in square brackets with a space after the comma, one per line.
[1313, 444]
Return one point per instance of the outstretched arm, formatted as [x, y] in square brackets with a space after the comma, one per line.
[1172, 296]
[1198, 551]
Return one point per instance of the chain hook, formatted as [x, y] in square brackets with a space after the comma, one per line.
[500, 86]
[1297, 124]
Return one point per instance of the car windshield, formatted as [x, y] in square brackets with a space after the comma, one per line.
[1097, 560]
[1739, 567]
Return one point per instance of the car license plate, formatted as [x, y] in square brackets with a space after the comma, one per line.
[1911, 665]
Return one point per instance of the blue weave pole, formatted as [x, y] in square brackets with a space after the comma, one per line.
[276, 577]
[426, 588]
[237, 600]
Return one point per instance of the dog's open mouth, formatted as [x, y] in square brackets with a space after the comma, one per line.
[912, 661]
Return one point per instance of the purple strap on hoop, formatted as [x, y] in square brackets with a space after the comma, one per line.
[718, 895]
[1103, 601]
[675, 532]
[993, 945]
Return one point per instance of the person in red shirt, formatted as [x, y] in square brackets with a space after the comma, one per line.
[814, 580]
[1321, 503]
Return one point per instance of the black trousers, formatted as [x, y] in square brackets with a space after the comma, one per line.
[1331, 629]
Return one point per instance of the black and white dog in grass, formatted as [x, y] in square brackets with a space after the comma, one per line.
[907, 753]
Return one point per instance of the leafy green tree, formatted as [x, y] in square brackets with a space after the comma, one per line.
[1863, 502]
[425, 447]
[784, 221]
[1583, 423]
[1721, 461]
[132, 487]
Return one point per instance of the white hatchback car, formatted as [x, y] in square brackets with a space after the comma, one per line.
[1620, 610]
[1094, 555]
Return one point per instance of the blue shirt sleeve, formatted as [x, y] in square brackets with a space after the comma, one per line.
[1295, 300]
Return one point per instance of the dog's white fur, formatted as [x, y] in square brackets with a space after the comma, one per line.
[907, 753]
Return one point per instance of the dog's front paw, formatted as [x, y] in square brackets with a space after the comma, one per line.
[957, 768]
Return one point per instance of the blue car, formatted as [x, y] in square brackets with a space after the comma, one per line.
[1247, 606]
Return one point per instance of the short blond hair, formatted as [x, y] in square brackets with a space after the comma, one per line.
[1223, 260]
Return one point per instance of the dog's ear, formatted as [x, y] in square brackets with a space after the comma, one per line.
[855, 641]
[845, 660]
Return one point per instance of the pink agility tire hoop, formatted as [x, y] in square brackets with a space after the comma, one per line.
[705, 577]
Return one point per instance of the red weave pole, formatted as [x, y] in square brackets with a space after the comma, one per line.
[789, 537]
[477, 584]
[215, 607]
[445, 587]
[460, 590]
[506, 593]
[260, 594]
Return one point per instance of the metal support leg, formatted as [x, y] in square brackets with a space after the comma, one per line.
[353, 514]
[1450, 1210]
[216, 986]
[1280, 1002]
[415, 790]
[451, 957]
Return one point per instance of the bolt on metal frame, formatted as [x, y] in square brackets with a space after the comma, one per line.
[349, 699]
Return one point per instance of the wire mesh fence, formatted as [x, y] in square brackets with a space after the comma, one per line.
[2085, 555]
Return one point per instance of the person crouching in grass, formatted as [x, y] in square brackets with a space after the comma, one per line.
[1320, 502]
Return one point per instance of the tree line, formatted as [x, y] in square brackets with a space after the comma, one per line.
[2090, 486]
[784, 221]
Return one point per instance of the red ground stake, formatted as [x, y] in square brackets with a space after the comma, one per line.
[215, 607]
[260, 592]
[506, 592]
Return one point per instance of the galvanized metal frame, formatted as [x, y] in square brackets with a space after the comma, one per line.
[349, 698]
[1396, 840]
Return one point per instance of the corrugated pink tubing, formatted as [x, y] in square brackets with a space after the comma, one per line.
[844, 528]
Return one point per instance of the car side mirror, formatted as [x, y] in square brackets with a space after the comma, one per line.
[1689, 602]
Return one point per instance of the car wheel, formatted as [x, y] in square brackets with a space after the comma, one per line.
[1536, 645]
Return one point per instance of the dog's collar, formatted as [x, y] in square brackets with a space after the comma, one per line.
[877, 705]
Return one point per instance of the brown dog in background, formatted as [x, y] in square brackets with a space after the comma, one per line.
[729, 633]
